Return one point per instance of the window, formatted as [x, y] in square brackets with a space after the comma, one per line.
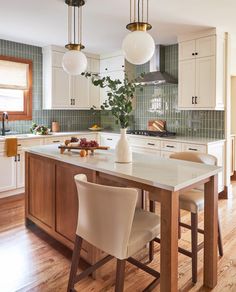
[16, 87]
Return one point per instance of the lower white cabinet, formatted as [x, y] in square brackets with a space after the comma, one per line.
[109, 140]
[20, 171]
[8, 175]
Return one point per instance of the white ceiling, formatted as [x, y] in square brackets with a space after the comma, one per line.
[44, 22]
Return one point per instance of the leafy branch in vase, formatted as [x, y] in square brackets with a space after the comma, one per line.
[120, 96]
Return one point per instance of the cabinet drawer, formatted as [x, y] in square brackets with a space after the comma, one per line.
[147, 143]
[55, 140]
[146, 150]
[194, 148]
[29, 143]
[171, 146]
[109, 140]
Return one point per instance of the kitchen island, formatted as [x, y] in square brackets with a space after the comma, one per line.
[51, 198]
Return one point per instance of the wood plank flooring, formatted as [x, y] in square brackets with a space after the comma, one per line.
[32, 261]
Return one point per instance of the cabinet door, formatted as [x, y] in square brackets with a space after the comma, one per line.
[94, 95]
[187, 50]
[60, 88]
[205, 82]
[206, 47]
[186, 84]
[80, 92]
[8, 174]
[41, 188]
[20, 177]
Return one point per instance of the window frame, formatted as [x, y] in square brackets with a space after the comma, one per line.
[26, 114]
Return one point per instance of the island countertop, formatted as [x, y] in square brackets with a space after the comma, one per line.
[168, 174]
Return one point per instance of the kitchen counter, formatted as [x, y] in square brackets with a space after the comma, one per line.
[52, 199]
[198, 140]
[146, 168]
[53, 134]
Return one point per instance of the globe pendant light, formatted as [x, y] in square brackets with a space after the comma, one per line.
[74, 61]
[138, 46]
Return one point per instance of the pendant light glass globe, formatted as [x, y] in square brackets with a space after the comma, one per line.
[74, 62]
[138, 47]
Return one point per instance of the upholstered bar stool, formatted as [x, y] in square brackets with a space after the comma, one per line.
[108, 219]
[193, 202]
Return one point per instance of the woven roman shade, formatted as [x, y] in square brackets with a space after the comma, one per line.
[13, 75]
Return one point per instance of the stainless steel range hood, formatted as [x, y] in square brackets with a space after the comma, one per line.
[157, 74]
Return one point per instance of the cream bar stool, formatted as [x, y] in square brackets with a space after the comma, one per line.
[193, 201]
[108, 220]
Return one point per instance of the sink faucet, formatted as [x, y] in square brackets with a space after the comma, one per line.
[4, 119]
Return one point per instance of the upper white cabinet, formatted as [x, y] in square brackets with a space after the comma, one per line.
[62, 91]
[199, 48]
[112, 66]
[202, 72]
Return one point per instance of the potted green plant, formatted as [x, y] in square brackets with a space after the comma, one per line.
[120, 96]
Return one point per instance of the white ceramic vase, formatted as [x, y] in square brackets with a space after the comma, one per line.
[123, 150]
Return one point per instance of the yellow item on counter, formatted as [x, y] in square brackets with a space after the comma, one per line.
[11, 147]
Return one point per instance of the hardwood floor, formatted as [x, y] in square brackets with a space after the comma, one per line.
[32, 261]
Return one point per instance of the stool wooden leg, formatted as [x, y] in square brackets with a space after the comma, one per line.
[194, 245]
[179, 227]
[151, 244]
[120, 275]
[75, 262]
[220, 244]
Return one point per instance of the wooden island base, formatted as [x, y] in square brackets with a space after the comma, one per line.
[52, 201]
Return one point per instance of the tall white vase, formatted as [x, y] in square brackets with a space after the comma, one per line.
[123, 150]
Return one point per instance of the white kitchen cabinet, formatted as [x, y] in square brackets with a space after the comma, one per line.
[205, 82]
[62, 91]
[194, 148]
[187, 50]
[20, 172]
[202, 72]
[109, 140]
[112, 66]
[206, 47]
[8, 175]
[187, 85]
[197, 48]
[166, 154]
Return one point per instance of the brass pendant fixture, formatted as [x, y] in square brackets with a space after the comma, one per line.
[138, 46]
[139, 16]
[74, 61]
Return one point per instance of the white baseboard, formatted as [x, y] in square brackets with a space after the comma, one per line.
[12, 193]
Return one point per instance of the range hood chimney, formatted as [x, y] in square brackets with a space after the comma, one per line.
[157, 74]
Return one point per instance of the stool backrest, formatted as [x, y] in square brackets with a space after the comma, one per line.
[105, 215]
[195, 157]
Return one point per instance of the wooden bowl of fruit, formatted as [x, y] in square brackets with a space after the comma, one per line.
[81, 144]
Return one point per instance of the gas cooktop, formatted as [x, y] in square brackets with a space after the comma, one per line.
[151, 133]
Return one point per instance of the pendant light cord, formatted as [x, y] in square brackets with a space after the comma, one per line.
[74, 24]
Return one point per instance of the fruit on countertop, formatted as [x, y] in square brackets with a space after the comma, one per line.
[95, 126]
[84, 143]
[83, 153]
[74, 139]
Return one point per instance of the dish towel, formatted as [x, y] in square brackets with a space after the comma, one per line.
[11, 147]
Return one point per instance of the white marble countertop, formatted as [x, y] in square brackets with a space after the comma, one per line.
[169, 174]
[52, 134]
[196, 140]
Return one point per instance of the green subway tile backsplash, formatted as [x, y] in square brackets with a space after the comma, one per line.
[160, 102]
[70, 120]
[151, 103]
